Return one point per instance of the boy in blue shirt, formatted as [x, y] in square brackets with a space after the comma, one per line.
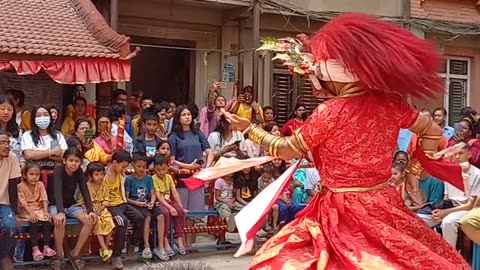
[141, 195]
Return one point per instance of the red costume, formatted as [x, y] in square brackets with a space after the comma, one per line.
[356, 221]
[290, 127]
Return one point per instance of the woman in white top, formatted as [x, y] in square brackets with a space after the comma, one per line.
[226, 142]
[43, 142]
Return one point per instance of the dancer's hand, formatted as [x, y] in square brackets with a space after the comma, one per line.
[237, 123]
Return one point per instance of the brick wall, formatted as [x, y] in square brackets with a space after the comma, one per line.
[462, 11]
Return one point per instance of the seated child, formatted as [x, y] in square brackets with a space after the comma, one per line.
[33, 206]
[67, 179]
[398, 177]
[246, 186]
[141, 195]
[176, 168]
[118, 207]
[99, 194]
[170, 205]
[225, 201]
[265, 179]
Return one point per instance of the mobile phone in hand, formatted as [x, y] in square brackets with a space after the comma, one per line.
[221, 85]
[237, 142]
[88, 135]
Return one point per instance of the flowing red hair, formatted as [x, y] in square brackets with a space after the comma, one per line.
[384, 57]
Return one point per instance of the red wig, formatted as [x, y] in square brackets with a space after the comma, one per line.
[384, 57]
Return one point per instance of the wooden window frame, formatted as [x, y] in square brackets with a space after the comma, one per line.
[447, 76]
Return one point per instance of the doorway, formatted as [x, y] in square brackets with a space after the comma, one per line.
[164, 69]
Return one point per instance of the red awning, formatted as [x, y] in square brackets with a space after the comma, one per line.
[74, 71]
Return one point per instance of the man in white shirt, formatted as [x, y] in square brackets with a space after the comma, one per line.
[462, 201]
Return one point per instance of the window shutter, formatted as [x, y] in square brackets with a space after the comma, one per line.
[305, 96]
[282, 94]
[457, 99]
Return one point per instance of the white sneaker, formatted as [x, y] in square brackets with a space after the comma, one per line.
[261, 233]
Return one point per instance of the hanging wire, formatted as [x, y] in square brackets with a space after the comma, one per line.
[188, 48]
[439, 26]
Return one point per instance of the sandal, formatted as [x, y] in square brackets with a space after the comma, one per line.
[181, 250]
[105, 254]
[48, 252]
[147, 253]
[161, 254]
[77, 262]
[37, 255]
[170, 252]
[55, 264]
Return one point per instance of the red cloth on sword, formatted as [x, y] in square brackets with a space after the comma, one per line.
[192, 183]
[442, 169]
[224, 166]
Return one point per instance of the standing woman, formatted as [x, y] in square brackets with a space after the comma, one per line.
[208, 116]
[9, 124]
[54, 112]
[105, 140]
[43, 144]
[268, 115]
[246, 107]
[226, 142]
[187, 146]
[22, 115]
[296, 122]
[440, 117]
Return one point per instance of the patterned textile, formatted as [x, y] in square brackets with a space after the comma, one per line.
[352, 141]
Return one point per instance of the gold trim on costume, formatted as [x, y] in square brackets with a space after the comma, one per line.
[356, 189]
[351, 90]
[293, 147]
[256, 134]
[368, 262]
[301, 144]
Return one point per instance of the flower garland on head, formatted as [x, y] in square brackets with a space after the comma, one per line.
[295, 54]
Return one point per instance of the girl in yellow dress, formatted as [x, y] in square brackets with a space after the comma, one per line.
[99, 194]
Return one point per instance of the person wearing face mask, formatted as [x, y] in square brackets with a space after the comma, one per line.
[300, 115]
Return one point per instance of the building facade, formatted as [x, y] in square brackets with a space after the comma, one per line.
[461, 51]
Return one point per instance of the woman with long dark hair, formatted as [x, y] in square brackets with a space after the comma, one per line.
[187, 146]
[299, 116]
[246, 107]
[43, 142]
[225, 141]
[9, 124]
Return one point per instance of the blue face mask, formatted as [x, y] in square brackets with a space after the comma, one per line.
[42, 122]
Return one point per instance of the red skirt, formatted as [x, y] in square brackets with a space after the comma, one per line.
[372, 230]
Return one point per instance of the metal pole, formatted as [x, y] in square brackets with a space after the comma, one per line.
[241, 55]
[114, 14]
[256, 43]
